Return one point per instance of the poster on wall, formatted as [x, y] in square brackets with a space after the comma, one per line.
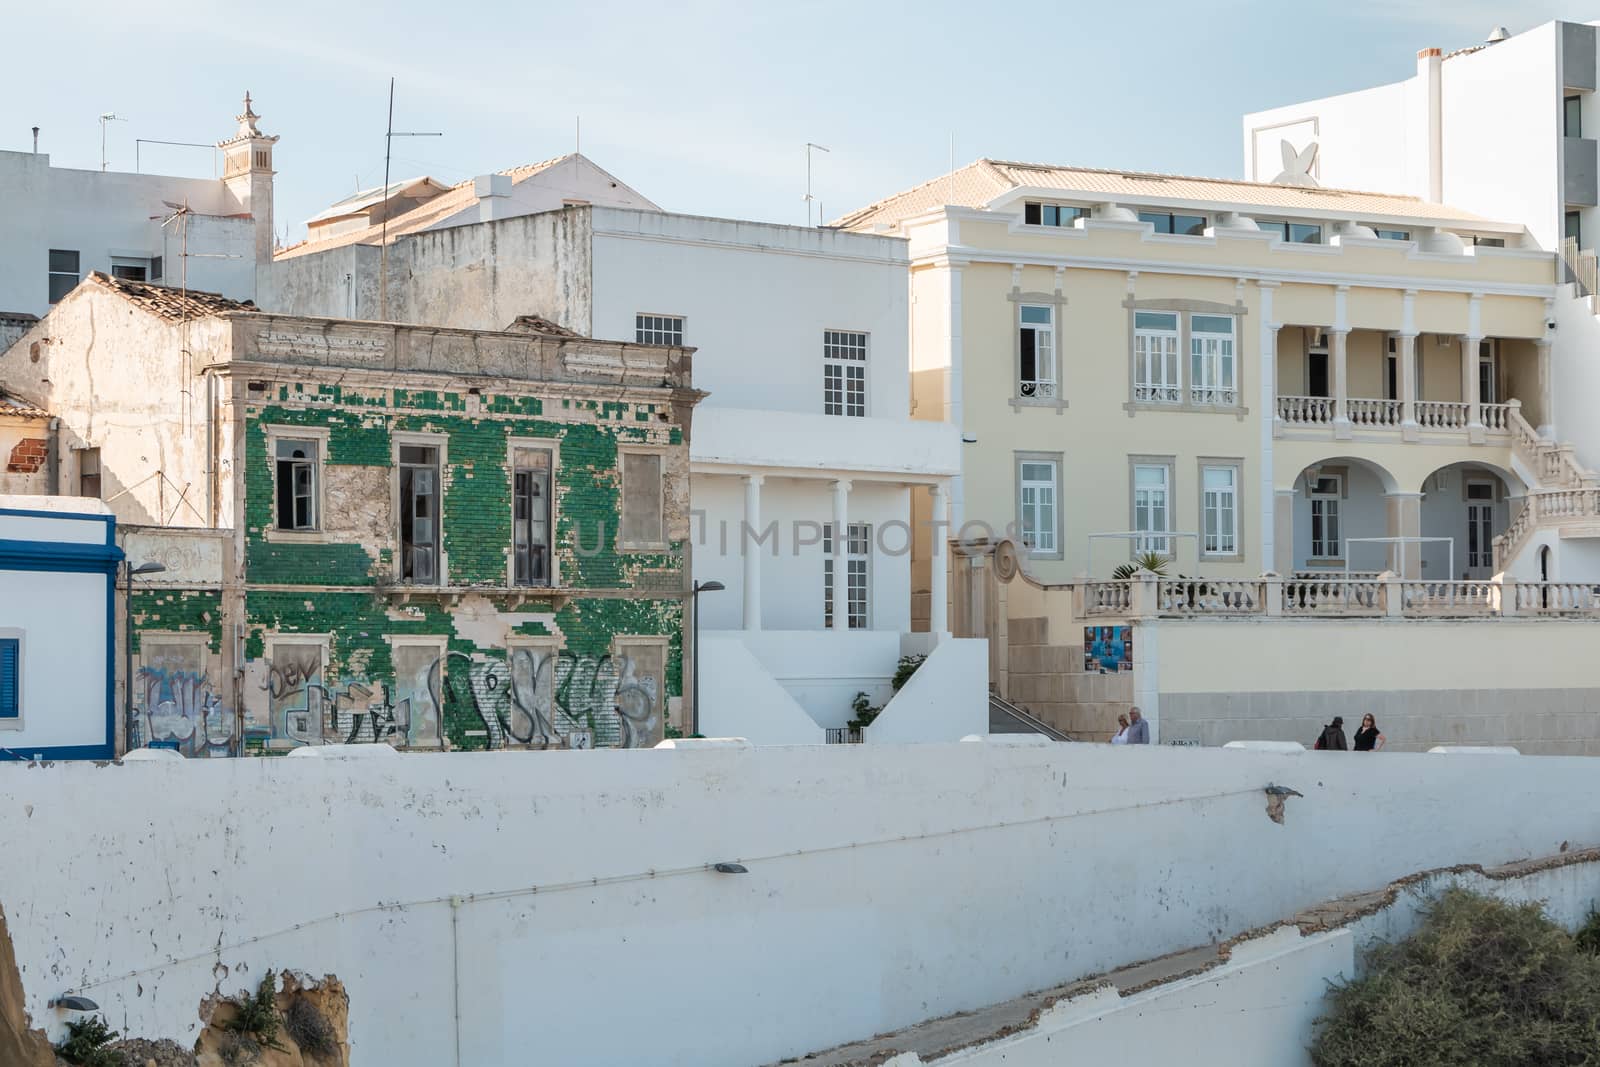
[1107, 649]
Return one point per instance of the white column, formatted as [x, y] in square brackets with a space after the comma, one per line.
[955, 382]
[841, 554]
[1269, 423]
[1469, 386]
[939, 572]
[1409, 429]
[1338, 350]
[752, 551]
[1547, 393]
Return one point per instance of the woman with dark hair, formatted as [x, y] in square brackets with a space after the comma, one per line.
[1369, 738]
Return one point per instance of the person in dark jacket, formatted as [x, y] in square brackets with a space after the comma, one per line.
[1333, 736]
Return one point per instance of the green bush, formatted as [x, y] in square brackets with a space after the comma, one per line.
[1480, 984]
[310, 1029]
[864, 710]
[904, 670]
[257, 1015]
[86, 1043]
[1587, 939]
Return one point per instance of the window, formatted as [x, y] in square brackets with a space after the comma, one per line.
[1155, 357]
[844, 373]
[1169, 222]
[419, 513]
[1211, 360]
[1302, 233]
[1038, 520]
[1573, 227]
[1326, 491]
[1037, 374]
[1572, 116]
[1150, 508]
[1488, 242]
[1391, 235]
[130, 270]
[1317, 365]
[1480, 524]
[156, 266]
[1037, 214]
[63, 273]
[297, 484]
[10, 679]
[1488, 372]
[658, 329]
[530, 516]
[643, 511]
[856, 549]
[1219, 511]
[1391, 370]
[89, 472]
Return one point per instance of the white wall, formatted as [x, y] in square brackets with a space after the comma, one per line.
[739, 698]
[947, 699]
[823, 670]
[1363, 140]
[62, 617]
[886, 884]
[1576, 373]
[755, 299]
[103, 214]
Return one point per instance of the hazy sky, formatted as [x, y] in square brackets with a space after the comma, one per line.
[703, 105]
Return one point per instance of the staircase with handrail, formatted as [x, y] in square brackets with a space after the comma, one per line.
[1564, 489]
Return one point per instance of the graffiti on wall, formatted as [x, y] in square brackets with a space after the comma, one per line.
[540, 698]
[176, 702]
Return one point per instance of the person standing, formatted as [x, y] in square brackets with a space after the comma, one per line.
[1368, 737]
[1333, 736]
[1121, 736]
[1138, 729]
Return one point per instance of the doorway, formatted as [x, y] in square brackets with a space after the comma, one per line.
[1480, 530]
[1488, 373]
[1317, 366]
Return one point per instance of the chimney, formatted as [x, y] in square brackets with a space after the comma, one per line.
[36, 140]
[494, 196]
[1429, 62]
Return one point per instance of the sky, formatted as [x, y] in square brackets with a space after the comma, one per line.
[704, 106]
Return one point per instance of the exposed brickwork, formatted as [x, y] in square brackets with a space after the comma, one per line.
[29, 456]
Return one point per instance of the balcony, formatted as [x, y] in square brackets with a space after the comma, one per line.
[1363, 413]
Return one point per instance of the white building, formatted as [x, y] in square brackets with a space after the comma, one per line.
[60, 224]
[802, 341]
[58, 567]
[1504, 129]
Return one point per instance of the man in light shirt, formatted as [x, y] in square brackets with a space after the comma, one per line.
[1138, 729]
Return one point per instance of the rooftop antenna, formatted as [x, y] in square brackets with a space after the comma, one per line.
[383, 242]
[809, 197]
[109, 116]
[577, 136]
[180, 213]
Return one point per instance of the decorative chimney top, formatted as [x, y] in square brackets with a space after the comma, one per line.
[247, 121]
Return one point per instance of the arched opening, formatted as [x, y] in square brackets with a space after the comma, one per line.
[1338, 503]
[1470, 504]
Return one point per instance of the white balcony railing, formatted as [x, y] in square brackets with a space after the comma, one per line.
[1157, 394]
[1442, 414]
[1306, 410]
[1374, 412]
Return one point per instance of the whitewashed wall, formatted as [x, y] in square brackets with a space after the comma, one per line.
[886, 884]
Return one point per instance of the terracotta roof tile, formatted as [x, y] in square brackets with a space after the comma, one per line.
[173, 304]
[12, 404]
[979, 183]
[540, 324]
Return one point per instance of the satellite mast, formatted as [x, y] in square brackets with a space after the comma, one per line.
[105, 117]
[809, 197]
[390, 133]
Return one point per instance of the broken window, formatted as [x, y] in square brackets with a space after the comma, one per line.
[89, 472]
[643, 510]
[130, 270]
[530, 515]
[297, 484]
[419, 513]
[63, 273]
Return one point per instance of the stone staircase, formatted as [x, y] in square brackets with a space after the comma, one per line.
[1564, 493]
[1046, 679]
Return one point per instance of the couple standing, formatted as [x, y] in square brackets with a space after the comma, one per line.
[1131, 729]
[1368, 738]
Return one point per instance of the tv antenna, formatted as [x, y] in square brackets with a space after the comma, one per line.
[105, 117]
[383, 242]
[809, 197]
[180, 213]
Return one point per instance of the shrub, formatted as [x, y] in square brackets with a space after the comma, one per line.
[86, 1043]
[257, 1015]
[864, 710]
[309, 1028]
[1587, 939]
[1480, 983]
[904, 670]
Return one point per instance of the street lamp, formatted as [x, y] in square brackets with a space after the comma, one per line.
[127, 639]
[699, 587]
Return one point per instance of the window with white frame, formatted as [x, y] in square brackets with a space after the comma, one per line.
[419, 514]
[295, 463]
[1219, 511]
[658, 329]
[1152, 484]
[857, 547]
[1480, 524]
[1326, 537]
[10, 681]
[844, 373]
[1211, 362]
[530, 516]
[1037, 495]
[64, 272]
[1036, 335]
[1037, 213]
[1155, 357]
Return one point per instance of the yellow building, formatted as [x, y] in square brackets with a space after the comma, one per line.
[1244, 377]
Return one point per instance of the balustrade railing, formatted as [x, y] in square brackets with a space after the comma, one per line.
[1442, 415]
[1557, 598]
[1495, 416]
[1373, 412]
[1448, 598]
[1209, 596]
[1331, 596]
[1107, 598]
[1305, 410]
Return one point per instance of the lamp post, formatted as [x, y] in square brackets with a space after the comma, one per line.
[127, 638]
[699, 587]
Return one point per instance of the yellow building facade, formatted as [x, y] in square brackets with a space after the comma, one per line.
[1242, 377]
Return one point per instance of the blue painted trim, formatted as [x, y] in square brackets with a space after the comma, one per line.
[59, 556]
[110, 745]
[109, 520]
[61, 752]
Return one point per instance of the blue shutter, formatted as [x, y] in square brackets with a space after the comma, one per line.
[10, 677]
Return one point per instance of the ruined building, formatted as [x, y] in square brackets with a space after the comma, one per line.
[435, 538]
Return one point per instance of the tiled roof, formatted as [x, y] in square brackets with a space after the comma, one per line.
[172, 304]
[12, 404]
[978, 184]
[461, 195]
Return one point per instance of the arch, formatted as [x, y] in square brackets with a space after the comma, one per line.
[1513, 482]
[1468, 501]
[1390, 483]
